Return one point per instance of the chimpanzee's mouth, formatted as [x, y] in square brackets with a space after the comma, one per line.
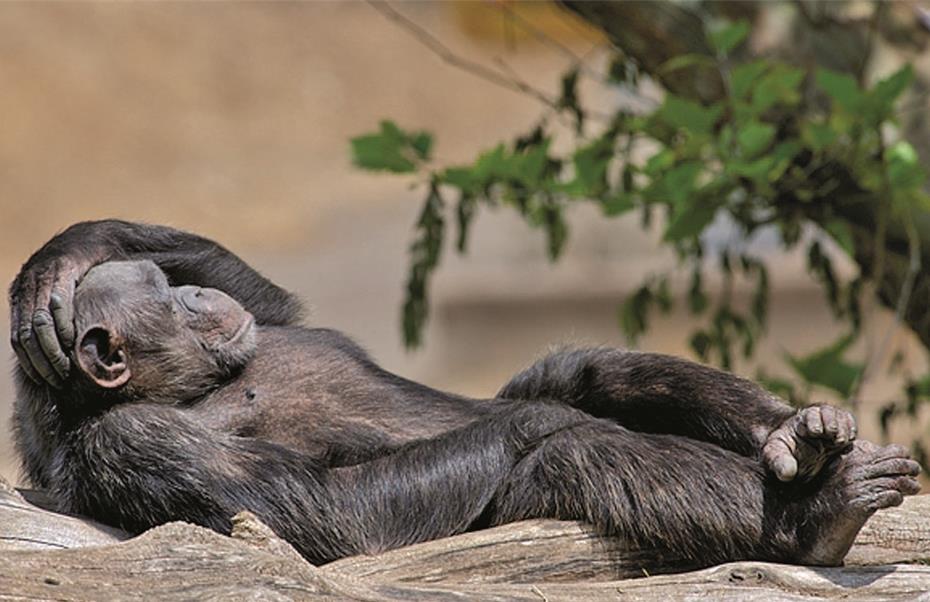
[241, 332]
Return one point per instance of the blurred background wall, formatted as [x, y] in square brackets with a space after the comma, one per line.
[233, 120]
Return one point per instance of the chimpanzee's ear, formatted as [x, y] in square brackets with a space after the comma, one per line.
[101, 357]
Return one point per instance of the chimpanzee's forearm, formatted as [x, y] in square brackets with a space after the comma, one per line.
[141, 465]
[184, 257]
[656, 393]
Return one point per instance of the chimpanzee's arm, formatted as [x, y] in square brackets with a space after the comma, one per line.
[140, 465]
[656, 393]
[41, 295]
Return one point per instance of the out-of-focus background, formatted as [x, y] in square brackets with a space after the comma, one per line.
[233, 120]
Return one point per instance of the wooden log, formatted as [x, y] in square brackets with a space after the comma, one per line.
[183, 562]
[532, 551]
[27, 525]
[532, 560]
[553, 551]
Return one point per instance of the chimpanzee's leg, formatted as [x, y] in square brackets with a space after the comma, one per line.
[650, 392]
[697, 501]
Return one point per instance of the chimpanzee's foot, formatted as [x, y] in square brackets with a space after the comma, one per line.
[805, 442]
[866, 479]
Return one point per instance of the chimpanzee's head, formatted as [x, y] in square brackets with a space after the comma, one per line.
[140, 338]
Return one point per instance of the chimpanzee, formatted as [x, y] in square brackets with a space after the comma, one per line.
[173, 382]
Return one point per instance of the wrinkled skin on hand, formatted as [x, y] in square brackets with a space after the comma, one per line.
[42, 316]
[803, 444]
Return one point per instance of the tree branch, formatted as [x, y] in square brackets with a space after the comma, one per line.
[447, 55]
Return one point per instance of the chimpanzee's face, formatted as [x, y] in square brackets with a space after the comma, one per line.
[138, 334]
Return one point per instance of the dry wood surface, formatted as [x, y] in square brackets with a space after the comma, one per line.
[50, 556]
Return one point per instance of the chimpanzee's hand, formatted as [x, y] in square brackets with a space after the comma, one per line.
[802, 444]
[42, 315]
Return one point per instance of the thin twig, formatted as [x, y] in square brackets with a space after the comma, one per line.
[539, 593]
[496, 77]
[445, 53]
[550, 110]
[878, 274]
[907, 288]
[578, 61]
[920, 103]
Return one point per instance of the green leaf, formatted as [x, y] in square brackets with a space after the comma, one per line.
[556, 230]
[421, 143]
[754, 170]
[424, 257]
[841, 234]
[618, 204]
[755, 137]
[781, 156]
[659, 162]
[904, 169]
[697, 298]
[663, 295]
[779, 85]
[701, 343]
[820, 266]
[842, 88]
[492, 164]
[688, 115]
[883, 94]
[744, 76]
[827, 368]
[727, 38]
[591, 164]
[690, 221]
[634, 313]
[530, 165]
[464, 213]
[684, 61]
[760, 297]
[391, 149]
[818, 135]
[627, 181]
[679, 181]
[919, 387]
[460, 177]
[569, 100]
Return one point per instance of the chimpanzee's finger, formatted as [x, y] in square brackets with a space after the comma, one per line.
[21, 298]
[40, 363]
[44, 327]
[38, 350]
[20, 305]
[61, 303]
[829, 416]
[778, 455]
[851, 427]
[25, 364]
[811, 423]
[845, 427]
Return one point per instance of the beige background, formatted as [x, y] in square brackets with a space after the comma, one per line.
[233, 120]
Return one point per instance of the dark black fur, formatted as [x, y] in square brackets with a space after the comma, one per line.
[340, 457]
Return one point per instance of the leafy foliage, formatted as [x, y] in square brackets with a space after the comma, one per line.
[784, 148]
[391, 149]
[827, 367]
